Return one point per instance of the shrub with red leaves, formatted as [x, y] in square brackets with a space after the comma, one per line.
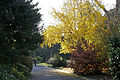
[84, 59]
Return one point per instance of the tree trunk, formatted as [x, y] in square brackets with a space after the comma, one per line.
[117, 10]
[117, 16]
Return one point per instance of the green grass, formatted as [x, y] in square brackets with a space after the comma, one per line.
[45, 64]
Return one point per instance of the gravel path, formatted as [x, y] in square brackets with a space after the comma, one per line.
[41, 72]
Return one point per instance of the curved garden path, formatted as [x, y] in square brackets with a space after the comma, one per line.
[41, 72]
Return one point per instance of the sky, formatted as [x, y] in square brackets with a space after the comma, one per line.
[47, 5]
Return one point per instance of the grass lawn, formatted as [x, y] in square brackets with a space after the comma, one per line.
[45, 64]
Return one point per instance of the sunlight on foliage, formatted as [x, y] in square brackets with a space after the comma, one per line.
[78, 19]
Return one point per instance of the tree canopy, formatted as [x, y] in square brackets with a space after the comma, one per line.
[19, 31]
[78, 19]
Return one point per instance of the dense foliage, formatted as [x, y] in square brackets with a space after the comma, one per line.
[92, 38]
[26, 61]
[19, 35]
[10, 72]
[57, 61]
[77, 19]
[114, 58]
[80, 20]
[19, 32]
[84, 60]
[83, 19]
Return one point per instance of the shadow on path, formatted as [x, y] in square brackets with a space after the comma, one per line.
[41, 72]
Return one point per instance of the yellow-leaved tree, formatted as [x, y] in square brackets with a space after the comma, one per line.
[78, 19]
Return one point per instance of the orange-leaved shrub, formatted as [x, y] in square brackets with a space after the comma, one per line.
[84, 59]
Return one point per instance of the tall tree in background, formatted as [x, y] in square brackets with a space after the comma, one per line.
[19, 31]
[113, 18]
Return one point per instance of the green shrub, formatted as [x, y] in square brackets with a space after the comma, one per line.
[57, 61]
[27, 61]
[39, 59]
[10, 72]
[114, 59]
[25, 70]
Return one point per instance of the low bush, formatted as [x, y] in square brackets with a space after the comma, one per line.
[10, 72]
[84, 59]
[27, 61]
[39, 59]
[57, 61]
[114, 59]
[24, 69]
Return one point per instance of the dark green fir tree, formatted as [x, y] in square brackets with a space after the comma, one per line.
[19, 31]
